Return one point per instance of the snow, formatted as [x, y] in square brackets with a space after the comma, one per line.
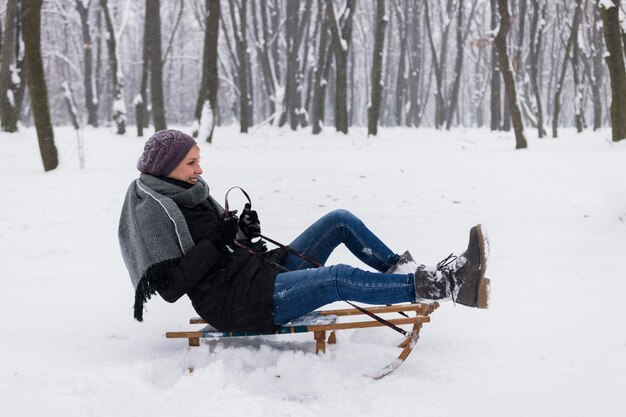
[553, 342]
[119, 108]
[206, 121]
[607, 4]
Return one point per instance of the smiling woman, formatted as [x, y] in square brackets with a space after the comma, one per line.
[176, 240]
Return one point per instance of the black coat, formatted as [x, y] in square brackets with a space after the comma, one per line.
[231, 291]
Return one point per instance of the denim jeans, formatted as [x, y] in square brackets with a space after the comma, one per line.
[305, 288]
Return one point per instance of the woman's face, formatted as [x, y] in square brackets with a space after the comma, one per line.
[189, 168]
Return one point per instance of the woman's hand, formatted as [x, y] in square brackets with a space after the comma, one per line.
[226, 229]
[249, 222]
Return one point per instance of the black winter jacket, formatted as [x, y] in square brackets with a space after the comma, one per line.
[231, 291]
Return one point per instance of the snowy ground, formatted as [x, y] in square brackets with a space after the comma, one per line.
[553, 343]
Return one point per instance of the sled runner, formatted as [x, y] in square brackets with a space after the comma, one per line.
[322, 321]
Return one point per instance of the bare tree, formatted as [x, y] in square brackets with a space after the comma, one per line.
[568, 50]
[615, 62]
[153, 21]
[439, 61]
[91, 100]
[341, 28]
[496, 104]
[206, 107]
[266, 37]
[12, 81]
[461, 38]
[239, 26]
[594, 63]
[296, 25]
[142, 114]
[536, 46]
[119, 106]
[507, 74]
[377, 68]
[416, 64]
[321, 71]
[37, 84]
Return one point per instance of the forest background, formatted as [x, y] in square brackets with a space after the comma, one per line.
[313, 64]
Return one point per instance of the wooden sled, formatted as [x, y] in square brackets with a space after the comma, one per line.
[322, 321]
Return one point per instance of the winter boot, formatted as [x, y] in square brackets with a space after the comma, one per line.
[471, 286]
[461, 279]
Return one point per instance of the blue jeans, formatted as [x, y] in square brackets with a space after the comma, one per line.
[305, 288]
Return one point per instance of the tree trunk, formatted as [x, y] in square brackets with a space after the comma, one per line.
[454, 94]
[461, 36]
[578, 88]
[37, 84]
[507, 74]
[401, 78]
[119, 106]
[153, 21]
[341, 29]
[377, 69]
[559, 88]
[416, 64]
[439, 105]
[617, 70]
[239, 30]
[12, 80]
[536, 47]
[141, 101]
[91, 102]
[295, 26]
[206, 107]
[496, 103]
[265, 57]
[319, 86]
[598, 69]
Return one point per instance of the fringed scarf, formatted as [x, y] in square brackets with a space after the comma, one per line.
[153, 233]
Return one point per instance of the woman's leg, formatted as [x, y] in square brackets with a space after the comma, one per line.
[299, 292]
[337, 227]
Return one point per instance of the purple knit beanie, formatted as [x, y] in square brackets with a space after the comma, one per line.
[163, 152]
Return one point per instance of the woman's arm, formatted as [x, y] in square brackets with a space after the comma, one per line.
[190, 269]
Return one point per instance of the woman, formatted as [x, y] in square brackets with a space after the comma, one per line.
[176, 240]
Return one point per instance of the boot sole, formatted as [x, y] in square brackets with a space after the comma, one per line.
[484, 284]
[484, 291]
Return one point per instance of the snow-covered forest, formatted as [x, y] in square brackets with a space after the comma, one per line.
[313, 64]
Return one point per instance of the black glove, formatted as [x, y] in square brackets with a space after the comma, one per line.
[225, 229]
[249, 222]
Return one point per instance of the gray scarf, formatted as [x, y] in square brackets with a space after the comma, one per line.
[153, 233]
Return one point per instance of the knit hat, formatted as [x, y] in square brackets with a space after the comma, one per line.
[163, 152]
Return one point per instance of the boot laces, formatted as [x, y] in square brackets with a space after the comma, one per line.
[446, 270]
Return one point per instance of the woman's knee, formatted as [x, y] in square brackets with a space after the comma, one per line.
[341, 216]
